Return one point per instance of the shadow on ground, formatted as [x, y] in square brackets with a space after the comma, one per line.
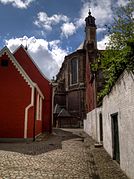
[43, 144]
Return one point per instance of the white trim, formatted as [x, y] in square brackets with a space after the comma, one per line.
[28, 80]
[32, 61]
[26, 112]
[38, 89]
[20, 69]
[17, 65]
[40, 109]
[37, 107]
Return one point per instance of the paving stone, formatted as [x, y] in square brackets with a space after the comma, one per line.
[66, 154]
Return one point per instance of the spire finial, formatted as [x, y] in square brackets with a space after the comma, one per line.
[90, 20]
[89, 12]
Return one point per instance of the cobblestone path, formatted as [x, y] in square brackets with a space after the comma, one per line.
[66, 154]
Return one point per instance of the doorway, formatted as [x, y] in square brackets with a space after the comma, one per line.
[115, 137]
[101, 127]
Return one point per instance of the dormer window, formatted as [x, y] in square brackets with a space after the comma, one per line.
[4, 63]
[74, 71]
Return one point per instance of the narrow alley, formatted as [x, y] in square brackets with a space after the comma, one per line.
[65, 154]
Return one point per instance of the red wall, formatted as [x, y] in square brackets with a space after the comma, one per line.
[34, 125]
[30, 125]
[15, 95]
[89, 90]
[43, 84]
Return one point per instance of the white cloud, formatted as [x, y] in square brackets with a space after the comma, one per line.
[83, 14]
[68, 29]
[103, 43]
[43, 20]
[122, 2]
[101, 10]
[22, 4]
[47, 55]
[101, 29]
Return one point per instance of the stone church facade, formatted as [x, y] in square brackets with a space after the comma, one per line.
[70, 91]
[74, 94]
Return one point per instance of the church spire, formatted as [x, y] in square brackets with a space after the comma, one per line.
[90, 30]
[90, 20]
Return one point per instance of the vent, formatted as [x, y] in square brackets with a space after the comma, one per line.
[4, 63]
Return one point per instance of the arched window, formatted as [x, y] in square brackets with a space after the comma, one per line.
[74, 71]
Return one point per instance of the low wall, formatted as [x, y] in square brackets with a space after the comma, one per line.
[91, 124]
[121, 101]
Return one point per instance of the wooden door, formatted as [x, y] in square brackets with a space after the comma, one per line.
[101, 127]
[115, 138]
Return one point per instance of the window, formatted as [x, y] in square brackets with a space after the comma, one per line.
[4, 63]
[74, 71]
[39, 108]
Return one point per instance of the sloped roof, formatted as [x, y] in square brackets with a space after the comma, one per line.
[20, 69]
[81, 46]
[57, 109]
[28, 64]
[18, 49]
[64, 113]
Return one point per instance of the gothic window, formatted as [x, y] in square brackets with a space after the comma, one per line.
[74, 71]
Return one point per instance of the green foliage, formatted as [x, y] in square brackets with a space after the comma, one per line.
[122, 28]
[119, 54]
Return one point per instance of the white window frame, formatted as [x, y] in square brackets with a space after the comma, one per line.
[39, 108]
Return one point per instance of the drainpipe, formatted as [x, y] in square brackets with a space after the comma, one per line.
[34, 115]
[26, 113]
[52, 102]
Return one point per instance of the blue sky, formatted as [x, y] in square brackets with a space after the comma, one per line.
[52, 28]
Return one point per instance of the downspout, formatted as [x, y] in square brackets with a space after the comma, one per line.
[52, 102]
[26, 112]
[34, 115]
[51, 109]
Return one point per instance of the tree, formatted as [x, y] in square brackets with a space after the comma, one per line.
[122, 28]
[119, 54]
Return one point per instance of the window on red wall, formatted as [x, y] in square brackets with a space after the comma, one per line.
[39, 108]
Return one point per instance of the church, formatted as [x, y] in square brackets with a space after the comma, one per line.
[75, 89]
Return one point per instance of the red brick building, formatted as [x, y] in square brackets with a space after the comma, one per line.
[26, 97]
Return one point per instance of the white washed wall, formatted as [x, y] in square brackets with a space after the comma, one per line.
[91, 123]
[121, 100]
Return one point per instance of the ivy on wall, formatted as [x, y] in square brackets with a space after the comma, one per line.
[119, 54]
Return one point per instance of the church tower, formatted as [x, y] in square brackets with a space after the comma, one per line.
[91, 53]
[90, 31]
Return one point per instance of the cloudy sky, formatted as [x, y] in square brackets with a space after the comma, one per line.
[52, 28]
